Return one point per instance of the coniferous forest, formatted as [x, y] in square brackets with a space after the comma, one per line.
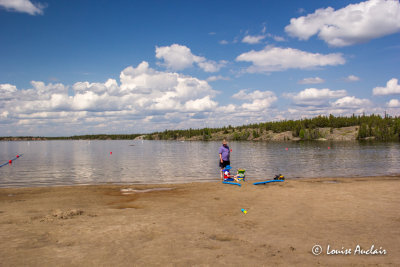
[375, 127]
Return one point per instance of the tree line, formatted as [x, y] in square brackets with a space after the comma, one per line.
[386, 128]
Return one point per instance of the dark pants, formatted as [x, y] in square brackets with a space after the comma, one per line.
[224, 163]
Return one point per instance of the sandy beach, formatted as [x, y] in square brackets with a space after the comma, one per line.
[202, 224]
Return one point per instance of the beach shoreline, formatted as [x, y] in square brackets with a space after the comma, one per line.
[202, 223]
[215, 180]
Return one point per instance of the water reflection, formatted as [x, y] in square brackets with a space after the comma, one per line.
[90, 162]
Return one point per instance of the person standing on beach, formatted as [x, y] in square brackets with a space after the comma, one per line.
[224, 156]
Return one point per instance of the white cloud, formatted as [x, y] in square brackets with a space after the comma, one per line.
[344, 106]
[242, 94]
[143, 79]
[228, 109]
[353, 24]
[313, 80]
[260, 100]
[7, 91]
[278, 38]
[179, 57]
[351, 102]
[142, 93]
[162, 90]
[352, 78]
[202, 104]
[393, 103]
[260, 104]
[7, 88]
[4, 114]
[176, 57]
[392, 88]
[279, 59]
[315, 97]
[110, 86]
[217, 78]
[45, 90]
[253, 39]
[24, 6]
[210, 65]
[223, 42]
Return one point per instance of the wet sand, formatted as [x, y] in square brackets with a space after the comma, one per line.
[202, 224]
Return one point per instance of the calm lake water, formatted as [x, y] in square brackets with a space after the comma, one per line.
[90, 162]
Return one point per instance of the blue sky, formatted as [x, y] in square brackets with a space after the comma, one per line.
[85, 67]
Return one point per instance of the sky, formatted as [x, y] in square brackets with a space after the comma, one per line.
[120, 67]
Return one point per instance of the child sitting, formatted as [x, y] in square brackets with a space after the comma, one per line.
[227, 174]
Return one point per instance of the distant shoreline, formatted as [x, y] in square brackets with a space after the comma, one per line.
[324, 134]
[321, 128]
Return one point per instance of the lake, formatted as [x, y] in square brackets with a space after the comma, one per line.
[50, 163]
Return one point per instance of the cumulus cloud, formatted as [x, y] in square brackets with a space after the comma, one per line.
[256, 106]
[313, 102]
[344, 106]
[23, 6]
[393, 103]
[176, 57]
[7, 91]
[179, 57]
[162, 90]
[315, 97]
[259, 100]
[210, 65]
[280, 59]
[353, 24]
[7, 88]
[351, 102]
[313, 80]
[142, 93]
[392, 88]
[45, 90]
[253, 39]
[110, 86]
[202, 104]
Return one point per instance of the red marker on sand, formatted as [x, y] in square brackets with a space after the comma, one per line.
[286, 148]
[329, 147]
[111, 153]
[10, 161]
